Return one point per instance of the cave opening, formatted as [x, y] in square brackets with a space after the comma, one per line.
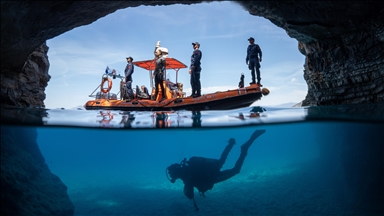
[79, 57]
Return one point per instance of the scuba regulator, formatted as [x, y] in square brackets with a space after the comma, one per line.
[174, 170]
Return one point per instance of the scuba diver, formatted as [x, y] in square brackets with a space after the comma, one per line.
[203, 173]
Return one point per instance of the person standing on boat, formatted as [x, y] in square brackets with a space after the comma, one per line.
[160, 71]
[129, 69]
[253, 60]
[202, 173]
[195, 70]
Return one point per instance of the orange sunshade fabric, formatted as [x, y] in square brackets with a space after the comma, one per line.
[171, 63]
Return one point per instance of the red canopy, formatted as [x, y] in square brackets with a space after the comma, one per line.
[171, 63]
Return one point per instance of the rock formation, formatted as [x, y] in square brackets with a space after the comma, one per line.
[27, 88]
[343, 43]
[27, 185]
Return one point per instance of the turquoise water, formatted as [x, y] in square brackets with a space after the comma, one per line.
[310, 161]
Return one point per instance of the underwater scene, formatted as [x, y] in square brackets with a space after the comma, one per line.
[277, 161]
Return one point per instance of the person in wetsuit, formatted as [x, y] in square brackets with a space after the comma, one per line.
[202, 173]
[145, 90]
[159, 73]
[129, 69]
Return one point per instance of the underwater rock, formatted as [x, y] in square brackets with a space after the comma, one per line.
[27, 185]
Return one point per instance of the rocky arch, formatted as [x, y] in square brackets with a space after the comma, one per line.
[343, 43]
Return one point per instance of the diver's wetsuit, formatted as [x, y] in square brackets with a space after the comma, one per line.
[129, 69]
[227, 174]
[203, 173]
[159, 76]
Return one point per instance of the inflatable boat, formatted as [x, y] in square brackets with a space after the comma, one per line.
[176, 99]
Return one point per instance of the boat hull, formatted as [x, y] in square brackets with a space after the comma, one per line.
[230, 99]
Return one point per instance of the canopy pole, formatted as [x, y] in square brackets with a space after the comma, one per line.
[177, 73]
[150, 78]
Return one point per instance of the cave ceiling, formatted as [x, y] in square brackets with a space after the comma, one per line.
[25, 25]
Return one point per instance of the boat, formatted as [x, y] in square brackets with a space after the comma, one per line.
[176, 99]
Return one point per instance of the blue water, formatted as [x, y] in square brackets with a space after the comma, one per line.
[310, 161]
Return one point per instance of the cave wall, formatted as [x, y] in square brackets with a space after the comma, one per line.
[349, 70]
[25, 25]
[27, 185]
[343, 43]
[27, 87]
[354, 158]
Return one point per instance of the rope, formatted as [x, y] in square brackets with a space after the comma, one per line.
[94, 91]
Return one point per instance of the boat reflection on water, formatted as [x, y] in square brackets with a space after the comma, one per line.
[251, 115]
[213, 118]
[184, 118]
[152, 119]
[107, 117]
[254, 113]
[162, 119]
[196, 119]
[187, 118]
[135, 119]
[127, 120]
[158, 119]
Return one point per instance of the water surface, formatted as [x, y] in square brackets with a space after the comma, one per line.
[310, 161]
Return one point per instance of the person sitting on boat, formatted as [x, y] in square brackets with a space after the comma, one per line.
[129, 69]
[143, 93]
[171, 85]
[203, 173]
[159, 73]
[145, 90]
[180, 92]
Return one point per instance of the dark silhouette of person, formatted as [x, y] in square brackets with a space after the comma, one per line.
[253, 54]
[202, 173]
[195, 70]
[129, 69]
[127, 119]
[161, 120]
[196, 119]
[241, 83]
[159, 73]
